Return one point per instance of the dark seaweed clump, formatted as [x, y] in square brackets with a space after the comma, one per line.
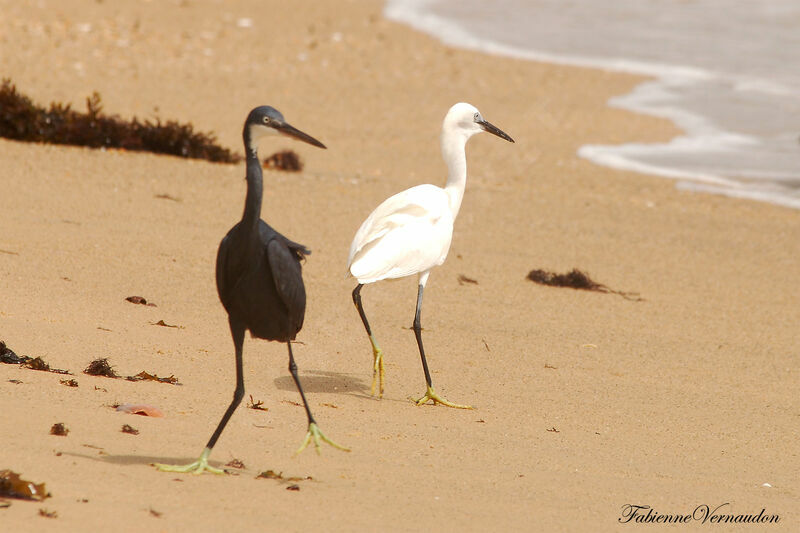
[576, 279]
[8, 356]
[37, 363]
[59, 429]
[126, 428]
[23, 120]
[140, 300]
[13, 486]
[100, 367]
[286, 160]
[146, 376]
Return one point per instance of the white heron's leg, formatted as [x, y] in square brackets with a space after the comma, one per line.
[377, 353]
[430, 394]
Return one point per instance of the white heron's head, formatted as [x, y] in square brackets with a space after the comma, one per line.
[465, 119]
[265, 120]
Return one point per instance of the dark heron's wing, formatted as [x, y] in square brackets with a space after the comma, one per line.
[224, 285]
[284, 261]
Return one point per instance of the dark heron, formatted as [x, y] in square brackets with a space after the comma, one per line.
[410, 233]
[259, 280]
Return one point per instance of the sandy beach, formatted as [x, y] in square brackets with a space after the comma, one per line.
[585, 402]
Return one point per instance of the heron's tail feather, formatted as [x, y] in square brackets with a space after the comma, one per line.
[299, 250]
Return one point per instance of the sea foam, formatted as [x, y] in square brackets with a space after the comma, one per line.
[724, 72]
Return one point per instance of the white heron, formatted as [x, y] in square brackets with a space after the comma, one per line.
[410, 233]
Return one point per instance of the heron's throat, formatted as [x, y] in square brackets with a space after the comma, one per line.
[251, 135]
[453, 145]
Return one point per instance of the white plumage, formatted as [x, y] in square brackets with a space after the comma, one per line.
[410, 232]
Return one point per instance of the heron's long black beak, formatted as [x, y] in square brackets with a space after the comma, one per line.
[291, 131]
[491, 128]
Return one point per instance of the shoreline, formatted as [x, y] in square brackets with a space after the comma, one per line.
[664, 93]
[572, 388]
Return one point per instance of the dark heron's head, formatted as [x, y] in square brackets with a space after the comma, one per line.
[266, 120]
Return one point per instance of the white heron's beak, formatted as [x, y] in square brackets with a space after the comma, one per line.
[491, 128]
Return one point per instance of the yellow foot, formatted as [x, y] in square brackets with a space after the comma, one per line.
[197, 467]
[316, 435]
[431, 396]
[377, 369]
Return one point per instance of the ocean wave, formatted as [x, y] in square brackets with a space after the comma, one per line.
[758, 157]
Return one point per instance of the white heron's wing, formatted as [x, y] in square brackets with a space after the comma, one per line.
[408, 233]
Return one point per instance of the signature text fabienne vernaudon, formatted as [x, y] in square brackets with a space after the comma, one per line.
[705, 514]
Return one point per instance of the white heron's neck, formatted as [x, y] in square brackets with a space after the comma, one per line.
[453, 144]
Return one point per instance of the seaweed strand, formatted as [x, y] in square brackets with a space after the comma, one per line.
[576, 279]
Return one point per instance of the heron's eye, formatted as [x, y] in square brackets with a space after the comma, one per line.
[477, 117]
[266, 120]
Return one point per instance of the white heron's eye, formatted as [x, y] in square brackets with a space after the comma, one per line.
[477, 117]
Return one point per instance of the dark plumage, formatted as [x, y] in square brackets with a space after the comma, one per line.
[260, 282]
[259, 279]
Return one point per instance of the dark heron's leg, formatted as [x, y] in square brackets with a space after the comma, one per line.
[430, 395]
[293, 372]
[314, 433]
[237, 332]
[377, 353]
[201, 465]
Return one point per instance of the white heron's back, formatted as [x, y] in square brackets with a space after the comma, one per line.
[408, 233]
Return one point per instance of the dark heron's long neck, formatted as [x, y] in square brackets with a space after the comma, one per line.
[255, 187]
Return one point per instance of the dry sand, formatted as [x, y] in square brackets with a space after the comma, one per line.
[585, 402]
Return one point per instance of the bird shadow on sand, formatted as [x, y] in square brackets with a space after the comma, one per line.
[324, 381]
[334, 383]
[126, 460]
